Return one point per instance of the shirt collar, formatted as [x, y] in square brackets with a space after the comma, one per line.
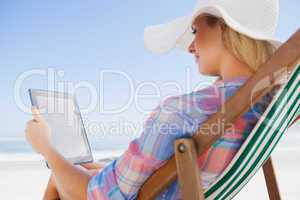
[234, 81]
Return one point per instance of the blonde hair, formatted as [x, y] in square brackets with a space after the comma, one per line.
[250, 51]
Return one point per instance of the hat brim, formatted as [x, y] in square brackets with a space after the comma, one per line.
[178, 34]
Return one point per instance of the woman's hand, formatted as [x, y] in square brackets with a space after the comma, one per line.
[93, 166]
[38, 133]
[72, 180]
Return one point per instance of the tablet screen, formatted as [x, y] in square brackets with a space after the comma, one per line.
[68, 135]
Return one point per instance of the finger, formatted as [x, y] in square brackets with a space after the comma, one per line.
[36, 114]
[93, 172]
[27, 134]
[92, 165]
[29, 125]
[26, 130]
[87, 165]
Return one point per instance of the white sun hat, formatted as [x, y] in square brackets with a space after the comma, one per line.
[255, 18]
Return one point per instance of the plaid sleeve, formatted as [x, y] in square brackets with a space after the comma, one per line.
[175, 118]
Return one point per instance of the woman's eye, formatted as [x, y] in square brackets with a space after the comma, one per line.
[194, 31]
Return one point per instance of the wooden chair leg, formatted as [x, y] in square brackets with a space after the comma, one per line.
[187, 170]
[270, 179]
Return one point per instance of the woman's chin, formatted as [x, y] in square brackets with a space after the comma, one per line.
[205, 72]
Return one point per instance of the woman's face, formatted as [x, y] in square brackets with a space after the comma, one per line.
[207, 47]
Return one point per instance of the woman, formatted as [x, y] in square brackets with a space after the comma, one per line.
[220, 50]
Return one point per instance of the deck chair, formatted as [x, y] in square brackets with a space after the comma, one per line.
[255, 152]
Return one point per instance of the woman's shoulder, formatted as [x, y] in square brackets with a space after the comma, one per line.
[207, 98]
[192, 108]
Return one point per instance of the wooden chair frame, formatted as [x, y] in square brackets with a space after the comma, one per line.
[189, 174]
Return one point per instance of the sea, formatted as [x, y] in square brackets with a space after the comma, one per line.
[14, 149]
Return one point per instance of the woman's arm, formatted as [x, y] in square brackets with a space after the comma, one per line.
[73, 180]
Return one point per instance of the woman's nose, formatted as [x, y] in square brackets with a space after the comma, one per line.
[192, 47]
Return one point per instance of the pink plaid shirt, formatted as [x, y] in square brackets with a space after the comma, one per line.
[174, 118]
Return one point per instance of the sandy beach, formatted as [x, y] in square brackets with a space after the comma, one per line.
[23, 180]
[27, 180]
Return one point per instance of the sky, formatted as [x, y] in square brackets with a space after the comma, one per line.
[98, 45]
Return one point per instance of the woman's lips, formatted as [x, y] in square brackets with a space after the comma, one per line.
[197, 59]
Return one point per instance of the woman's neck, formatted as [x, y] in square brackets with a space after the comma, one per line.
[231, 67]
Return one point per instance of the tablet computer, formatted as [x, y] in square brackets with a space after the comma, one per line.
[68, 134]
